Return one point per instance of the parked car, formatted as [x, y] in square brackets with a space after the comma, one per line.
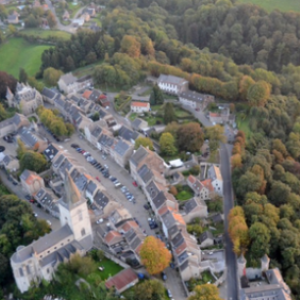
[97, 178]
[135, 184]
[164, 276]
[27, 197]
[169, 293]
[147, 206]
[106, 175]
[75, 146]
[32, 200]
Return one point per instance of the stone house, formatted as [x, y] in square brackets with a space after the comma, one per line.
[172, 84]
[194, 208]
[68, 83]
[206, 239]
[195, 100]
[121, 152]
[140, 107]
[13, 124]
[199, 189]
[31, 182]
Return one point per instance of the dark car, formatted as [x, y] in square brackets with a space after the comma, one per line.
[75, 146]
[164, 276]
[106, 175]
[27, 197]
[147, 206]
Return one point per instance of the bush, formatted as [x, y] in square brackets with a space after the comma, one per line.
[195, 170]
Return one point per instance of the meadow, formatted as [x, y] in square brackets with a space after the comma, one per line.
[17, 53]
[282, 5]
[44, 34]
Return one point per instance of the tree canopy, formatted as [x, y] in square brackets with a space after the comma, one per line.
[145, 142]
[205, 292]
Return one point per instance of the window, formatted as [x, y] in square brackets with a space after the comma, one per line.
[21, 272]
[48, 251]
[55, 248]
[79, 214]
[62, 244]
[82, 232]
[48, 271]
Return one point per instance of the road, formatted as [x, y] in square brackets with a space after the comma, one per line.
[59, 25]
[231, 262]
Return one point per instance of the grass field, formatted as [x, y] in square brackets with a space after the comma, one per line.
[269, 5]
[243, 124]
[44, 34]
[17, 53]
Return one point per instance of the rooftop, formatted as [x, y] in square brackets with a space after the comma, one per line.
[171, 79]
[140, 104]
[122, 280]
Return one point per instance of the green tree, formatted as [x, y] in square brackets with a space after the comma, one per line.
[258, 93]
[51, 19]
[190, 137]
[167, 144]
[51, 76]
[23, 76]
[36, 84]
[169, 113]
[70, 129]
[33, 161]
[12, 29]
[205, 292]
[149, 290]
[156, 96]
[215, 134]
[260, 239]
[131, 46]
[58, 127]
[145, 142]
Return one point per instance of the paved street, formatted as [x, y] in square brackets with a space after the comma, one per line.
[231, 263]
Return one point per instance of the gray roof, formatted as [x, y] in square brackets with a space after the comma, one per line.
[205, 235]
[121, 148]
[171, 79]
[28, 138]
[95, 95]
[106, 140]
[128, 134]
[101, 199]
[177, 240]
[136, 123]
[217, 218]
[68, 78]
[79, 179]
[159, 200]
[130, 235]
[96, 131]
[50, 152]
[25, 174]
[173, 230]
[152, 189]
[40, 194]
[12, 17]
[184, 265]
[168, 219]
[49, 93]
[193, 96]
[91, 187]
[138, 156]
[190, 205]
[145, 173]
[182, 257]
[136, 242]
[60, 159]
[16, 119]
[75, 98]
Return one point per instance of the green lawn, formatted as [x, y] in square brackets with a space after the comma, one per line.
[153, 120]
[73, 9]
[185, 194]
[133, 116]
[44, 34]
[269, 5]
[16, 53]
[87, 70]
[243, 124]
[110, 268]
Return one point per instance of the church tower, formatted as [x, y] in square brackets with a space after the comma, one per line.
[74, 212]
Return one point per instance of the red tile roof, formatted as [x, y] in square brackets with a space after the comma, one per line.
[181, 248]
[122, 280]
[86, 94]
[191, 179]
[208, 185]
[140, 104]
[214, 115]
[111, 235]
[128, 225]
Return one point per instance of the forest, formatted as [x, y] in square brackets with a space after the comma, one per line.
[237, 52]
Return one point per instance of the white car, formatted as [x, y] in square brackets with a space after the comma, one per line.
[49, 223]
[99, 221]
[35, 214]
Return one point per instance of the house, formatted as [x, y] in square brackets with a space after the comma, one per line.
[13, 124]
[68, 83]
[51, 151]
[121, 152]
[90, 11]
[128, 134]
[49, 95]
[195, 100]
[95, 95]
[206, 239]
[94, 27]
[172, 84]
[10, 163]
[86, 17]
[140, 107]
[13, 18]
[194, 208]
[31, 182]
[40, 259]
[92, 133]
[139, 124]
[105, 143]
[86, 94]
[199, 189]
[48, 201]
[45, 7]
[78, 22]
[32, 141]
[221, 117]
[66, 15]
[217, 218]
[26, 99]
[122, 281]
[214, 173]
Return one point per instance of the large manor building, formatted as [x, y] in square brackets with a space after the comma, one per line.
[40, 259]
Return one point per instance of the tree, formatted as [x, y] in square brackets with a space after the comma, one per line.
[82, 265]
[36, 84]
[169, 113]
[149, 290]
[131, 46]
[51, 19]
[6, 81]
[145, 142]
[58, 127]
[258, 93]
[260, 239]
[33, 161]
[23, 76]
[51, 76]
[70, 129]
[167, 144]
[205, 292]
[156, 96]
[12, 29]
[32, 21]
[154, 255]
[3, 12]
[190, 137]
[215, 134]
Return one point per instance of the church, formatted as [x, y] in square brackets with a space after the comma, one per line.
[40, 259]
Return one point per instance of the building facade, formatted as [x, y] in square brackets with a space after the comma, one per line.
[172, 84]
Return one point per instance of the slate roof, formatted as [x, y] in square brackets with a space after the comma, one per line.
[145, 173]
[96, 131]
[168, 219]
[152, 189]
[127, 134]
[177, 240]
[106, 140]
[159, 200]
[171, 79]
[138, 156]
[217, 218]
[91, 187]
[136, 123]
[205, 235]
[121, 148]
[182, 257]
[50, 152]
[28, 138]
[190, 205]
[79, 179]
[68, 78]
[48, 93]
[95, 95]
[25, 174]
[192, 96]
[101, 199]
[184, 265]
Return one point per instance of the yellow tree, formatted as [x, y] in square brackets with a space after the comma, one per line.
[205, 292]
[131, 46]
[154, 255]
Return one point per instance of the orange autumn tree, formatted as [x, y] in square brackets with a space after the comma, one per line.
[154, 255]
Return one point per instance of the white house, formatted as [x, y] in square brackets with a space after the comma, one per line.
[172, 84]
[68, 83]
[140, 107]
[214, 174]
[195, 100]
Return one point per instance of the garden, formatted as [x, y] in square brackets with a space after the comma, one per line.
[184, 192]
[207, 277]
